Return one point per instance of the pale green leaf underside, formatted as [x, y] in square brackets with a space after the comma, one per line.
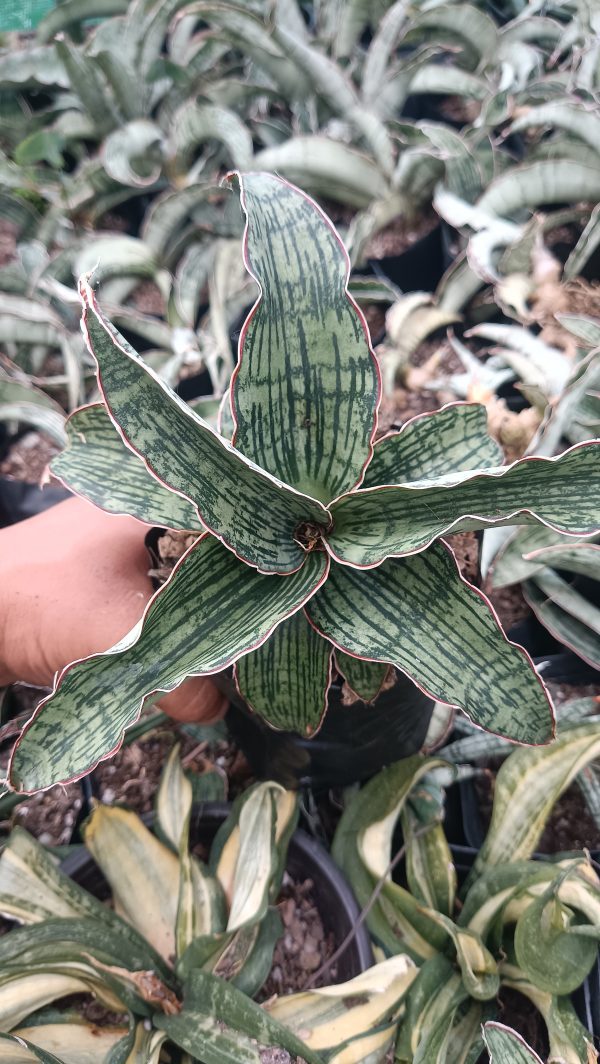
[307, 386]
[506, 1046]
[364, 677]
[563, 625]
[450, 440]
[372, 524]
[286, 680]
[418, 614]
[583, 558]
[255, 515]
[97, 465]
[212, 610]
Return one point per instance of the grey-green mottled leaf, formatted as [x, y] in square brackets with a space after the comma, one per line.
[505, 1046]
[365, 678]
[418, 613]
[376, 523]
[212, 610]
[97, 465]
[306, 369]
[244, 505]
[454, 438]
[543, 182]
[287, 679]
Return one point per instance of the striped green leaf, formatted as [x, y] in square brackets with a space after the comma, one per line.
[365, 678]
[287, 679]
[306, 389]
[528, 785]
[374, 523]
[212, 610]
[220, 1025]
[565, 627]
[505, 1046]
[419, 614]
[96, 465]
[560, 592]
[453, 439]
[432, 1002]
[255, 514]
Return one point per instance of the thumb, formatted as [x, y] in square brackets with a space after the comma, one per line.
[197, 699]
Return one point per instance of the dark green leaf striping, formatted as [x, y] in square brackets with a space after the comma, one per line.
[446, 441]
[306, 390]
[97, 465]
[286, 680]
[212, 610]
[420, 615]
[252, 513]
[563, 492]
[365, 678]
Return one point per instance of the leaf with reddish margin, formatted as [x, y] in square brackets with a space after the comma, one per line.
[97, 466]
[212, 610]
[365, 678]
[505, 1046]
[449, 440]
[306, 389]
[251, 512]
[287, 679]
[419, 614]
[393, 521]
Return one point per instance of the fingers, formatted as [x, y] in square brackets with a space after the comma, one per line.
[197, 699]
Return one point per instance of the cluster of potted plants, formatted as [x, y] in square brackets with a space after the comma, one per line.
[315, 579]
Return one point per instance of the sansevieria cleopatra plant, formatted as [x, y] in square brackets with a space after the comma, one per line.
[313, 539]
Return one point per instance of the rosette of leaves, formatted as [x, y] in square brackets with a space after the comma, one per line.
[313, 540]
[528, 925]
[180, 953]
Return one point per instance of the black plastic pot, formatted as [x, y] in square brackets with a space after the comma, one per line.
[353, 744]
[418, 269]
[307, 859]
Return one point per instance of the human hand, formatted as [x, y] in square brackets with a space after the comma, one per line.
[73, 581]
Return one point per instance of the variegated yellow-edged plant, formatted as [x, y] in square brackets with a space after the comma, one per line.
[180, 953]
[313, 539]
[529, 925]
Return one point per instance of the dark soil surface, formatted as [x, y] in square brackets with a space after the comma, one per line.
[305, 945]
[132, 776]
[8, 241]
[510, 605]
[400, 235]
[29, 457]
